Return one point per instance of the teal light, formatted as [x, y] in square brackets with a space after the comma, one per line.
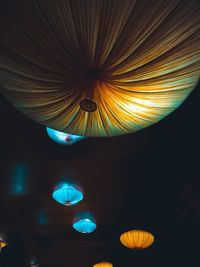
[42, 218]
[63, 138]
[34, 263]
[85, 225]
[19, 179]
[67, 195]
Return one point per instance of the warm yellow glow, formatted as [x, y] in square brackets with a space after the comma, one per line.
[2, 244]
[103, 264]
[136, 68]
[137, 239]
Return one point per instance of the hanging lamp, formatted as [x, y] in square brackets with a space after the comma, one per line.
[85, 226]
[67, 194]
[84, 223]
[63, 138]
[103, 264]
[2, 244]
[137, 239]
[34, 263]
[101, 68]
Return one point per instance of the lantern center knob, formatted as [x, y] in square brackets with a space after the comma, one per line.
[88, 105]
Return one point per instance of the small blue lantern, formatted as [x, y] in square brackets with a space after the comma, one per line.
[34, 263]
[63, 138]
[67, 195]
[84, 225]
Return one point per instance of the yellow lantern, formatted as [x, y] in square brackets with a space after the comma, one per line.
[2, 244]
[103, 264]
[137, 239]
[99, 67]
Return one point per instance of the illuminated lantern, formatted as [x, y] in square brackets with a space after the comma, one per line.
[2, 244]
[34, 263]
[103, 264]
[67, 195]
[101, 68]
[137, 239]
[63, 138]
[84, 225]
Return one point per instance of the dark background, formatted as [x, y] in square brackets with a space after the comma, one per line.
[147, 180]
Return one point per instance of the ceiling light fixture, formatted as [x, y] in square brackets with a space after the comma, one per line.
[2, 244]
[85, 225]
[137, 239]
[67, 194]
[103, 264]
[63, 138]
[104, 70]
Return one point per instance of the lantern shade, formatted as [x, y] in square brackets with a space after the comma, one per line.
[67, 195]
[103, 264]
[34, 263]
[85, 225]
[2, 244]
[137, 239]
[63, 138]
[100, 69]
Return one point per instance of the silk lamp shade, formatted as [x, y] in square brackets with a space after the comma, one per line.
[84, 225]
[63, 138]
[137, 239]
[67, 194]
[99, 68]
[2, 244]
[103, 264]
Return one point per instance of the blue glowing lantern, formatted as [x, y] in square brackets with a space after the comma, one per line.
[67, 195]
[19, 179]
[63, 138]
[34, 263]
[84, 225]
[42, 217]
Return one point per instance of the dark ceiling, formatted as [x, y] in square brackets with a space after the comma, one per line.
[147, 180]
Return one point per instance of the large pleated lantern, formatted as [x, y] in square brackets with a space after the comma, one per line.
[103, 264]
[137, 239]
[67, 194]
[63, 138]
[99, 68]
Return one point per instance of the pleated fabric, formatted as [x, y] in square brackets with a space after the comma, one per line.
[103, 264]
[137, 239]
[137, 60]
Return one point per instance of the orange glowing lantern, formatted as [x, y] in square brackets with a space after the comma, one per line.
[137, 239]
[103, 264]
